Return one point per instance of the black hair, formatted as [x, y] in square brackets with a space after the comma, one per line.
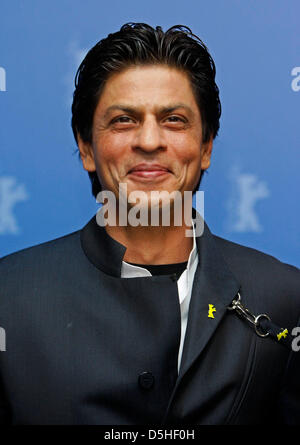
[141, 44]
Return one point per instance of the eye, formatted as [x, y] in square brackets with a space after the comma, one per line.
[175, 122]
[122, 120]
[175, 119]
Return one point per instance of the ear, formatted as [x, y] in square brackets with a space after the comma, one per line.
[206, 154]
[86, 154]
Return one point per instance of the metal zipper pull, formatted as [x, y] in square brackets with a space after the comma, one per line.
[245, 313]
[262, 324]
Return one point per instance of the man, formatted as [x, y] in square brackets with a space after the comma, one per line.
[138, 323]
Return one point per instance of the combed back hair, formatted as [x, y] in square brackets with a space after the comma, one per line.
[138, 44]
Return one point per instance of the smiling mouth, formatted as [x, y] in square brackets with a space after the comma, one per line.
[144, 171]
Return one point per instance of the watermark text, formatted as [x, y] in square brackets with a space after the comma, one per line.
[155, 208]
[2, 79]
[2, 340]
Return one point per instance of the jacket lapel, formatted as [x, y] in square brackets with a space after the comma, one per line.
[215, 285]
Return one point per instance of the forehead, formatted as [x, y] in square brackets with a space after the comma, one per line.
[148, 86]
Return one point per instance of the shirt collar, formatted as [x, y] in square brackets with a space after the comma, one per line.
[131, 271]
[186, 278]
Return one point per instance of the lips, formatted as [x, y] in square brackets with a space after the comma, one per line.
[148, 167]
[148, 171]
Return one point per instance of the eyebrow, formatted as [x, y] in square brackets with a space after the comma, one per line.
[165, 109]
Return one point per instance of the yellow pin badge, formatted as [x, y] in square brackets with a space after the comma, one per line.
[283, 334]
[211, 310]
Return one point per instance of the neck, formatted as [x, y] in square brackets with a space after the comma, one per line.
[153, 244]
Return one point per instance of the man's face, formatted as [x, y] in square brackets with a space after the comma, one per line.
[147, 132]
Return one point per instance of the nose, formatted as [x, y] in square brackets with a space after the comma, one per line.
[149, 136]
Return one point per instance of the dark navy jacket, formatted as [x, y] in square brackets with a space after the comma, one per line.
[84, 346]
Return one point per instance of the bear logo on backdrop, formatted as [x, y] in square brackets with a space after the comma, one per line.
[247, 190]
[10, 194]
[2, 79]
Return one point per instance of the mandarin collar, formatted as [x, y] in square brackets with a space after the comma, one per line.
[107, 254]
[101, 249]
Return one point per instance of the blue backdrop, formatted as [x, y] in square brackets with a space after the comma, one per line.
[252, 188]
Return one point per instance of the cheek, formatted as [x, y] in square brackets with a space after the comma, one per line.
[186, 149]
[110, 148]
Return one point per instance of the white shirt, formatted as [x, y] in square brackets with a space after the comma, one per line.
[184, 285]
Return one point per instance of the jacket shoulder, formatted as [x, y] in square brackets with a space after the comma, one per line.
[241, 257]
[40, 254]
[262, 274]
